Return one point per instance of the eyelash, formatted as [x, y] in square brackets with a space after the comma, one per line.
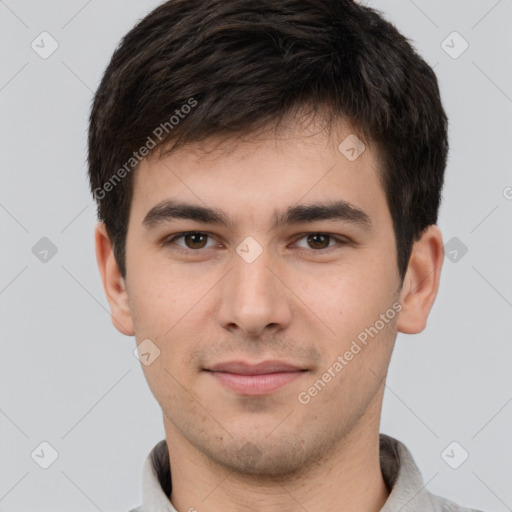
[341, 241]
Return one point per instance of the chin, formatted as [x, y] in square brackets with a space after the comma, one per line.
[265, 458]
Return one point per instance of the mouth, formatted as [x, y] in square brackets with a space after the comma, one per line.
[255, 379]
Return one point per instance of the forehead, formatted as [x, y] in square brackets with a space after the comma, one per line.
[255, 174]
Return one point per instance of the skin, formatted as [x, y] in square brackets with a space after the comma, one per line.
[300, 301]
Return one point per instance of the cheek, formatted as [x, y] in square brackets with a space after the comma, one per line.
[354, 292]
[352, 306]
[171, 309]
[159, 296]
[153, 305]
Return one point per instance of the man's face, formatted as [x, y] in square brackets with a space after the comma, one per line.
[299, 292]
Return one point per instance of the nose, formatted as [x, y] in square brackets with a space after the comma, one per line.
[253, 297]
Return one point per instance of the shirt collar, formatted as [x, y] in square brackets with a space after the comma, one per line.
[400, 473]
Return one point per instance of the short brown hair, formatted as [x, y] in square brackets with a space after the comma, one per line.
[194, 69]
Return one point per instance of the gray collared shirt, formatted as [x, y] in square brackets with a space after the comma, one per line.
[399, 471]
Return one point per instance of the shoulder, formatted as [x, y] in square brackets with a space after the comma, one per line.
[403, 477]
[445, 505]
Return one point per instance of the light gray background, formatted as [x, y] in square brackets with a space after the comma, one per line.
[70, 379]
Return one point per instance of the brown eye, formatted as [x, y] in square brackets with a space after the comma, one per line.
[195, 240]
[190, 241]
[321, 243]
[318, 241]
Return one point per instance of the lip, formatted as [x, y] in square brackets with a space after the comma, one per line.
[244, 368]
[255, 379]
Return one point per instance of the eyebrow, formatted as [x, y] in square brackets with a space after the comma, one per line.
[169, 210]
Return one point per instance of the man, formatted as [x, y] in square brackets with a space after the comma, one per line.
[268, 176]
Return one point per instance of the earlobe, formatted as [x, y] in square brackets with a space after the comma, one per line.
[421, 281]
[113, 282]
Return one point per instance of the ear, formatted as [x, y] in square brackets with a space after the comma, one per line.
[421, 281]
[113, 282]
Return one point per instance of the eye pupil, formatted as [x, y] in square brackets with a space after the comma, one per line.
[199, 240]
[195, 240]
[318, 239]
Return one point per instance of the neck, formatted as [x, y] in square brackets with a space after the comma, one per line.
[349, 477]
